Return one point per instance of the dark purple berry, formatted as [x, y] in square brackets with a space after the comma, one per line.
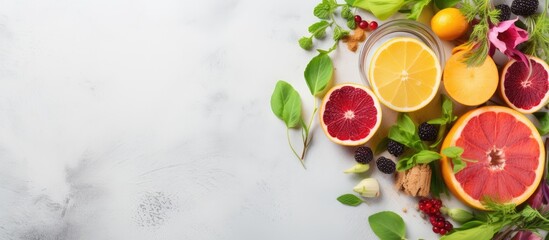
[364, 155]
[386, 165]
[395, 148]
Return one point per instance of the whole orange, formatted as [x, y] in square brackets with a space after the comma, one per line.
[449, 24]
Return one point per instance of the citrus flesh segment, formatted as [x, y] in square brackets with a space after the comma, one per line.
[504, 157]
[525, 89]
[405, 74]
[350, 114]
[470, 85]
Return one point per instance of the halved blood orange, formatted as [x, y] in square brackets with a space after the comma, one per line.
[525, 88]
[350, 114]
[507, 154]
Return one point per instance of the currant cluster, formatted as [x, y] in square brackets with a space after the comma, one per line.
[431, 207]
[364, 24]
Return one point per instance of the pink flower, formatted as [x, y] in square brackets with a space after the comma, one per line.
[526, 235]
[506, 36]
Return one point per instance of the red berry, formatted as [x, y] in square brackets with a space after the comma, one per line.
[442, 231]
[433, 220]
[448, 226]
[373, 25]
[440, 225]
[363, 24]
[358, 19]
[436, 229]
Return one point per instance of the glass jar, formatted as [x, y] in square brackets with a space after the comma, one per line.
[398, 28]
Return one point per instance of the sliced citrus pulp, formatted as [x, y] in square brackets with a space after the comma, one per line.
[405, 74]
[525, 90]
[504, 153]
[350, 114]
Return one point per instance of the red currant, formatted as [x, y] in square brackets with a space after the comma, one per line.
[436, 229]
[442, 231]
[363, 24]
[358, 19]
[448, 226]
[373, 25]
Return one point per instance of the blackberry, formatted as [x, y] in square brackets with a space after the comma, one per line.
[386, 165]
[427, 132]
[395, 148]
[364, 155]
[524, 7]
[504, 12]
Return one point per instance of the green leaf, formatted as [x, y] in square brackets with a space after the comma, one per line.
[438, 121]
[358, 168]
[447, 106]
[350, 2]
[286, 104]
[339, 33]
[441, 4]
[458, 163]
[346, 13]
[425, 156]
[482, 232]
[306, 43]
[469, 225]
[387, 225]
[318, 73]
[396, 134]
[543, 119]
[381, 146]
[382, 9]
[350, 200]
[318, 29]
[417, 9]
[404, 164]
[452, 152]
[406, 124]
[351, 24]
[322, 11]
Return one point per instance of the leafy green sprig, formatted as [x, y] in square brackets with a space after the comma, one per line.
[538, 30]
[484, 12]
[326, 11]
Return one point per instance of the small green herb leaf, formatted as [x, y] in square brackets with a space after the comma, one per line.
[339, 33]
[406, 124]
[417, 9]
[387, 225]
[346, 13]
[318, 73]
[404, 164]
[322, 11]
[425, 156]
[452, 152]
[318, 29]
[543, 119]
[441, 4]
[306, 43]
[286, 104]
[350, 200]
[438, 121]
[351, 24]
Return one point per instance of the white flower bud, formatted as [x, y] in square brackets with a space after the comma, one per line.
[368, 187]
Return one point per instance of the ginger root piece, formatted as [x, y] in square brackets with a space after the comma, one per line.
[415, 181]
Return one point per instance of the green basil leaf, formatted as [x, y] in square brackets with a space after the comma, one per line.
[438, 121]
[351, 24]
[349, 200]
[417, 9]
[458, 163]
[306, 43]
[286, 104]
[318, 73]
[382, 9]
[447, 106]
[425, 156]
[441, 4]
[318, 29]
[404, 164]
[406, 124]
[396, 134]
[452, 152]
[322, 11]
[543, 119]
[387, 225]
[482, 232]
[381, 146]
[346, 13]
[339, 33]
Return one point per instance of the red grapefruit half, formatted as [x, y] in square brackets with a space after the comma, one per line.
[350, 114]
[524, 90]
[507, 154]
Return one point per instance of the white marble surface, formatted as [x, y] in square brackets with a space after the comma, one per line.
[134, 119]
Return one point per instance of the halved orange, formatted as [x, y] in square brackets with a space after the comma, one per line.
[507, 153]
[404, 73]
